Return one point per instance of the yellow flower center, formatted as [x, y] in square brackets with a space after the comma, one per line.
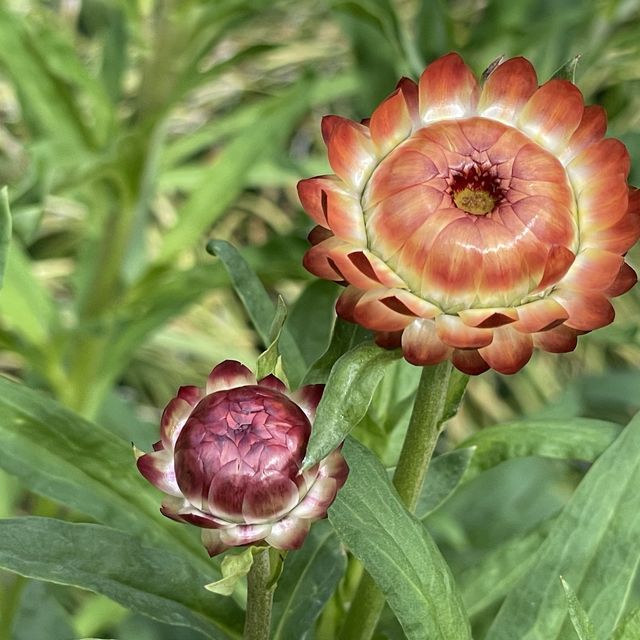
[475, 201]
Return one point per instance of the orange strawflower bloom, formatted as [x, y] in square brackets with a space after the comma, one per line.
[474, 222]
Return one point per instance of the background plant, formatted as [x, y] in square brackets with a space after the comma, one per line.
[134, 131]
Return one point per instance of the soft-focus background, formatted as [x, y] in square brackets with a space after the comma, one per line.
[133, 131]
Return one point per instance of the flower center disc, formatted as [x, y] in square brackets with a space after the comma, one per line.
[474, 201]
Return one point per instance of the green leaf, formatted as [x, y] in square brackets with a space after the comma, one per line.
[56, 453]
[490, 579]
[267, 362]
[311, 318]
[570, 439]
[629, 628]
[234, 567]
[309, 578]
[345, 336]
[443, 477]
[347, 396]
[25, 305]
[568, 70]
[577, 614]
[149, 580]
[259, 306]
[227, 175]
[397, 551]
[40, 616]
[5, 230]
[590, 545]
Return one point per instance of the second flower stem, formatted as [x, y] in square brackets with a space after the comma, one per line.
[432, 397]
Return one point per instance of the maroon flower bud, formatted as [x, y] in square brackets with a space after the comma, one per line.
[229, 459]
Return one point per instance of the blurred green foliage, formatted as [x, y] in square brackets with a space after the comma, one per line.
[132, 131]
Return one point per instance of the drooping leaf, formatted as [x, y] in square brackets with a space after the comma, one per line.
[149, 580]
[345, 400]
[589, 546]
[56, 453]
[569, 439]
[444, 474]
[308, 580]
[397, 551]
[579, 618]
[259, 306]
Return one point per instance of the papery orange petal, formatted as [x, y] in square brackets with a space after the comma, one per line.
[421, 344]
[318, 234]
[409, 91]
[509, 351]
[389, 339]
[447, 89]
[591, 129]
[587, 310]
[397, 218]
[608, 157]
[507, 90]
[402, 169]
[553, 113]
[550, 221]
[363, 269]
[312, 195]
[327, 126]
[625, 279]
[558, 262]
[593, 270]
[504, 275]
[452, 331]
[453, 266]
[371, 313]
[540, 315]
[318, 261]
[351, 152]
[603, 202]
[406, 302]
[488, 318]
[469, 361]
[391, 122]
[346, 303]
[621, 236]
[560, 339]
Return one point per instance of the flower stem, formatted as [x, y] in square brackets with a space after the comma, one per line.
[439, 388]
[257, 623]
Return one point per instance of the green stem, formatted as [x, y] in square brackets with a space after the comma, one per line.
[257, 623]
[432, 398]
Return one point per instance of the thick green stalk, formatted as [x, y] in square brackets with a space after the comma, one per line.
[257, 623]
[432, 397]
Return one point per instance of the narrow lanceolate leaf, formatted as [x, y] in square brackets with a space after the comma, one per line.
[397, 551]
[568, 70]
[227, 177]
[308, 580]
[629, 628]
[570, 439]
[259, 307]
[347, 396]
[58, 454]
[345, 336]
[443, 477]
[5, 230]
[589, 546]
[489, 580]
[577, 614]
[148, 580]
